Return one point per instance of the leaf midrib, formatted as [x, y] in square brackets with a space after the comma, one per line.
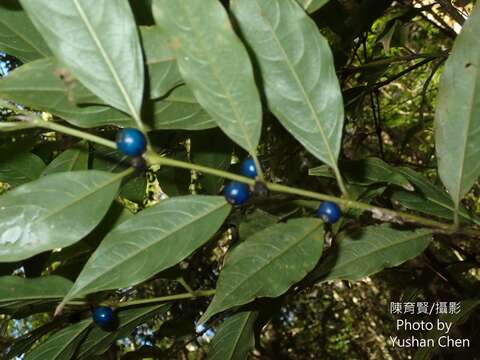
[239, 335]
[217, 76]
[273, 259]
[20, 35]
[87, 194]
[107, 60]
[414, 236]
[467, 131]
[134, 254]
[297, 79]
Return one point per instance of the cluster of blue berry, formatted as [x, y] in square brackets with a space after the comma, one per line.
[132, 142]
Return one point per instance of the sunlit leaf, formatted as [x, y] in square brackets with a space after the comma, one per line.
[267, 264]
[18, 36]
[17, 169]
[53, 212]
[371, 250]
[457, 117]
[298, 73]
[235, 337]
[222, 81]
[151, 241]
[98, 41]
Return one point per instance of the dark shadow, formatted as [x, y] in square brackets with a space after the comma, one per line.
[11, 5]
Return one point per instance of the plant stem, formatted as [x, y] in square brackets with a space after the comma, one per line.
[340, 182]
[201, 293]
[383, 213]
[76, 133]
[154, 158]
[185, 285]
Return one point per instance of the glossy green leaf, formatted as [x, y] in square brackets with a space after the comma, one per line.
[16, 288]
[235, 337]
[17, 169]
[312, 5]
[255, 222]
[61, 345]
[151, 241]
[180, 110]
[108, 159]
[74, 159]
[428, 198]
[297, 69]
[98, 41]
[163, 72]
[267, 264]
[367, 171]
[39, 86]
[18, 36]
[98, 341]
[371, 250]
[457, 117]
[53, 212]
[222, 81]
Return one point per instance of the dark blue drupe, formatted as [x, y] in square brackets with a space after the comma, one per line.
[329, 212]
[248, 168]
[131, 142]
[104, 317]
[236, 193]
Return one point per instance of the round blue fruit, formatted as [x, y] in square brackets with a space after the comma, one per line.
[131, 142]
[248, 168]
[329, 212]
[104, 317]
[236, 193]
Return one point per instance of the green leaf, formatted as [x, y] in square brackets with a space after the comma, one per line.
[371, 250]
[163, 72]
[214, 64]
[297, 69]
[467, 307]
[180, 110]
[367, 171]
[98, 341]
[53, 212]
[267, 264]
[428, 198]
[235, 337]
[255, 222]
[457, 117]
[74, 159]
[61, 345]
[170, 231]
[18, 36]
[16, 288]
[108, 159]
[38, 85]
[312, 5]
[21, 168]
[98, 40]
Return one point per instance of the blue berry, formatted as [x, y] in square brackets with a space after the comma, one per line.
[131, 142]
[248, 168]
[104, 317]
[329, 212]
[236, 193]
